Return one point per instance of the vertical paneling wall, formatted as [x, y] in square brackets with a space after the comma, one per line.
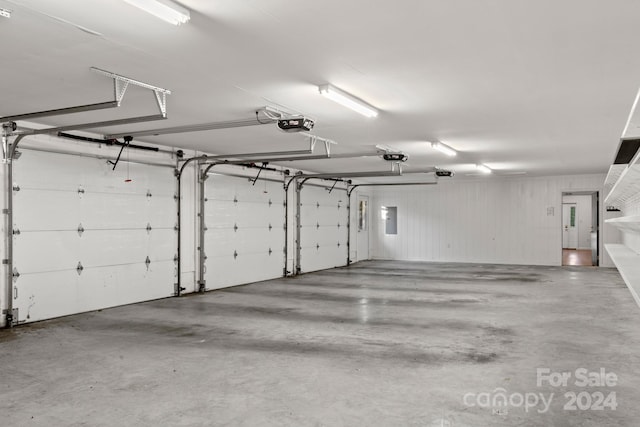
[496, 220]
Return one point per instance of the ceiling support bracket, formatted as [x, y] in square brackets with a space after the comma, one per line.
[120, 85]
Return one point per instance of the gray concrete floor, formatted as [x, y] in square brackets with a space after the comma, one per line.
[377, 344]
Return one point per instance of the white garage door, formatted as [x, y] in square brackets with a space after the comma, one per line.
[323, 233]
[84, 239]
[244, 238]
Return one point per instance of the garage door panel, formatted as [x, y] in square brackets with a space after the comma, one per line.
[142, 178]
[46, 209]
[225, 241]
[238, 215]
[322, 258]
[46, 295]
[324, 220]
[112, 246]
[222, 272]
[162, 244]
[125, 284]
[54, 294]
[162, 211]
[36, 252]
[115, 210]
[38, 169]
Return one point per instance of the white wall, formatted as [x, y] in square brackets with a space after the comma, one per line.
[583, 214]
[515, 220]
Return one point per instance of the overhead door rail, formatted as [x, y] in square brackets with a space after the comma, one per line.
[120, 85]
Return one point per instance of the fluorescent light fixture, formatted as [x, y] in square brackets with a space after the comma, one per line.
[483, 168]
[164, 9]
[443, 148]
[5, 12]
[348, 101]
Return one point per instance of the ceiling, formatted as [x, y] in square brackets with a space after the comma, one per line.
[538, 87]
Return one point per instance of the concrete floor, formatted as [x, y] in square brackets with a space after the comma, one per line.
[377, 344]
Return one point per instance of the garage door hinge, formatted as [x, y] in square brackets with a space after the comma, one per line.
[338, 225]
[176, 227]
[270, 251]
[148, 227]
[5, 261]
[175, 258]
[235, 199]
[175, 196]
[147, 262]
[338, 244]
[16, 274]
[317, 246]
[79, 268]
[235, 227]
[202, 286]
[16, 231]
[235, 254]
[80, 230]
[5, 211]
[80, 191]
[11, 317]
[270, 202]
[16, 188]
[270, 227]
[318, 205]
[317, 225]
[149, 193]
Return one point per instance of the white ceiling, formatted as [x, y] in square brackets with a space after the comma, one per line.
[543, 87]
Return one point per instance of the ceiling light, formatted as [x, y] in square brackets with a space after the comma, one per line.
[483, 168]
[443, 148]
[163, 9]
[348, 101]
[5, 12]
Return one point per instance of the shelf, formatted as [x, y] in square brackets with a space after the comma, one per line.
[612, 177]
[626, 223]
[627, 186]
[628, 264]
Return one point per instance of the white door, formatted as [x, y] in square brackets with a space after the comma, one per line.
[244, 237]
[362, 227]
[569, 228]
[84, 239]
[323, 233]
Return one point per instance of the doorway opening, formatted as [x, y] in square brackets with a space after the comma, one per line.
[580, 228]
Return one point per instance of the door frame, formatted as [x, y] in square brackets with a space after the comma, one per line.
[598, 220]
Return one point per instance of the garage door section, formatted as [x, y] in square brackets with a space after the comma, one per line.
[323, 228]
[84, 239]
[244, 237]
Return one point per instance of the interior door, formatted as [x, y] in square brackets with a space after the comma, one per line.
[362, 235]
[569, 228]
